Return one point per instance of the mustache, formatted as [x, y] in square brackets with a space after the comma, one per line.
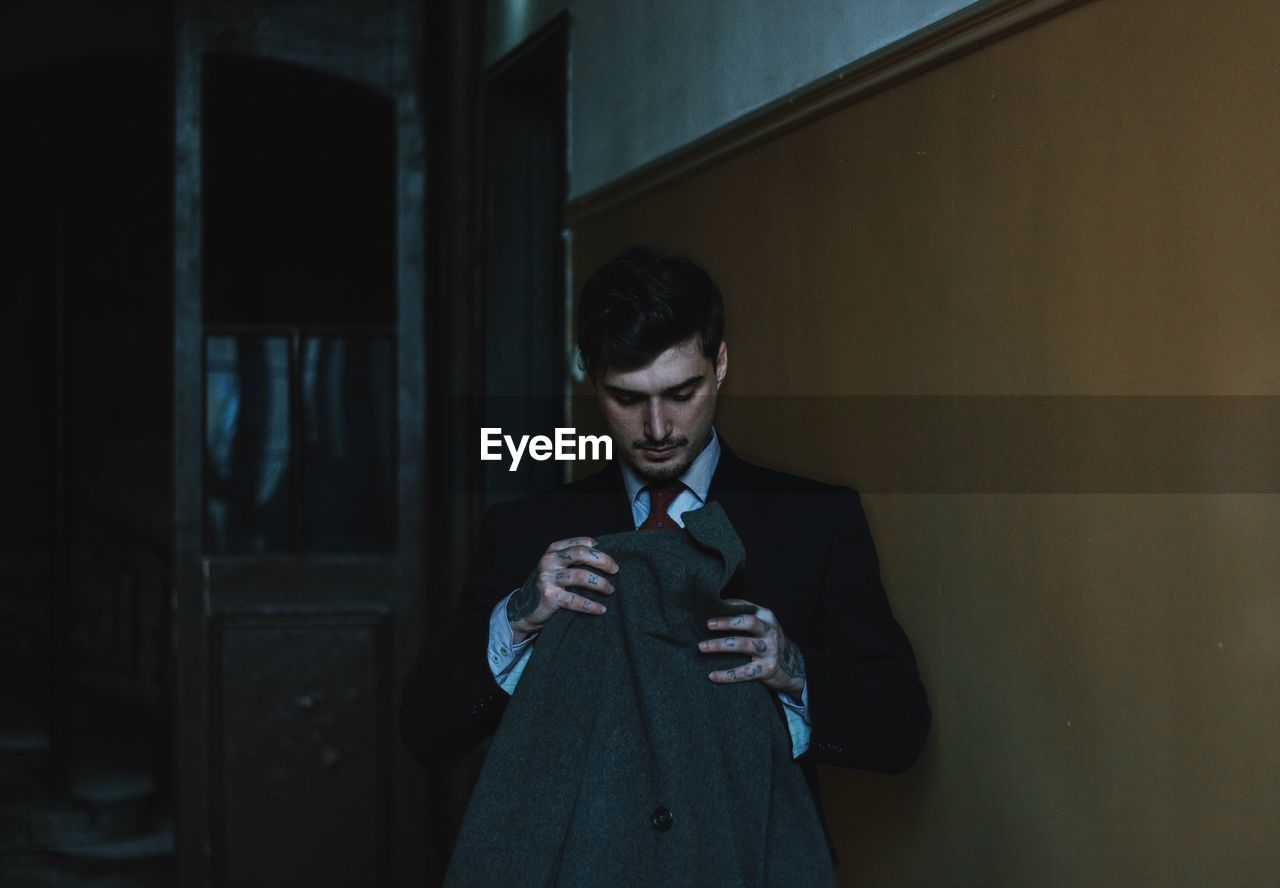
[641, 444]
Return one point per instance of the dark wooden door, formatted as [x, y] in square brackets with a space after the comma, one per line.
[298, 392]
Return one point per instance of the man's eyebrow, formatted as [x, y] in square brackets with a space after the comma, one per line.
[669, 390]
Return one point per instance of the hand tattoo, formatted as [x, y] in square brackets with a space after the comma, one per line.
[524, 601]
[793, 661]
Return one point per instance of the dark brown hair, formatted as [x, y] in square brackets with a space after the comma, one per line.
[642, 302]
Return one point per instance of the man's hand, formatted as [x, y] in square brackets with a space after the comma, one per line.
[775, 661]
[547, 589]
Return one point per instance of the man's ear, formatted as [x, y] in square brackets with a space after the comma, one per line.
[722, 363]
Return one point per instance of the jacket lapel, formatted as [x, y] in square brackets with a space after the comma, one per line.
[736, 488]
[732, 487]
[606, 506]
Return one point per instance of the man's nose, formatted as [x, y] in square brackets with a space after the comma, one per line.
[656, 426]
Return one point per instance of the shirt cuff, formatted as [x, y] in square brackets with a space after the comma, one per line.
[801, 708]
[797, 721]
[504, 653]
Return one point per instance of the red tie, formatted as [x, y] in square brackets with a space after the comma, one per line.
[660, 497]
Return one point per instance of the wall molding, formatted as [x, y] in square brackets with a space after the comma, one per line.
[949, 38]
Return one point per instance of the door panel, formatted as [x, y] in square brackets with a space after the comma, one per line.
[299, 380]
[301, 730]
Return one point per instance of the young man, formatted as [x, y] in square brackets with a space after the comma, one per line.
[822, 638]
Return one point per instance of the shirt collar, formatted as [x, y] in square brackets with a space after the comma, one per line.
[697, 477]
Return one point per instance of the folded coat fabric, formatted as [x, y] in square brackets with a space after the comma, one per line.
[619, 763]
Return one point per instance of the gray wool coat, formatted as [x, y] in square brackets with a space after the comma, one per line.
[619, 763]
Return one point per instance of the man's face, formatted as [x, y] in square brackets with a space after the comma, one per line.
[660, 415]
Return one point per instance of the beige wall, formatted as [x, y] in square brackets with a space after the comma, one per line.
[1085, 208]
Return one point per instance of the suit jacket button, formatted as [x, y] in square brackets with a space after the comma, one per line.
[661, 818]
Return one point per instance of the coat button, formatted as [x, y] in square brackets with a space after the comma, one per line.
[661, 818]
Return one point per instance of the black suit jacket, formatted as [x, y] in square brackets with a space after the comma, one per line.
[810, 559]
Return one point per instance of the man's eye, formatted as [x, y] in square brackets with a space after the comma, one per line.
[682, 398]
[627, 402]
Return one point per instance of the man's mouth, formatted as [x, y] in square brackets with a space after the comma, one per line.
[659, 453]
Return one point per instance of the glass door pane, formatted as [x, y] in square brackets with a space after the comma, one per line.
[247, 453]
[348, 482]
